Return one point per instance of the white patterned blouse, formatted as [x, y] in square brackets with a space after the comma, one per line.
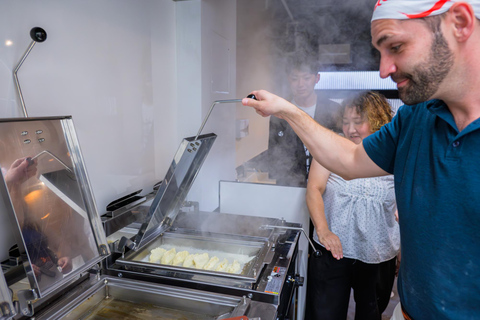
[361, 212]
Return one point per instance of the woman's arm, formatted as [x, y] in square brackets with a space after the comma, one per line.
[317, 182]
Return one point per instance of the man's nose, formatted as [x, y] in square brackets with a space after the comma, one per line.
[387, 66]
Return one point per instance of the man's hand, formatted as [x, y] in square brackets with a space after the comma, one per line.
[20, 171]
[268, 104]
[36, 270]
[65, 263]
[331, 242]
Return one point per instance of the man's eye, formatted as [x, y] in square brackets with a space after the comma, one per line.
[395, 48]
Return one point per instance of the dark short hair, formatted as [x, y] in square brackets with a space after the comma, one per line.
[302, 61]
[372, 105]
[434, 22]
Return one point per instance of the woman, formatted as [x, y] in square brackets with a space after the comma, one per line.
[355, 227]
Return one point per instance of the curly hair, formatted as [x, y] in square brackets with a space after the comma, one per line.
[372, 105]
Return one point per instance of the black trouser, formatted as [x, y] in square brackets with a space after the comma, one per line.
[385, 280]
[329, 284]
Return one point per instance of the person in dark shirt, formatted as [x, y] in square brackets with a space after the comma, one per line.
[288, 159]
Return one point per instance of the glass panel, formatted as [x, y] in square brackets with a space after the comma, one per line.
[46, 184]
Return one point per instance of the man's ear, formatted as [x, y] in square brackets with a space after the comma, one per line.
[462, 19]
[318, 78]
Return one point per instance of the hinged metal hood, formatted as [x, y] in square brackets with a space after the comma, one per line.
[45, 187]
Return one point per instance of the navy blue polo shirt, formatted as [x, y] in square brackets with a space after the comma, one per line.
[437, 186]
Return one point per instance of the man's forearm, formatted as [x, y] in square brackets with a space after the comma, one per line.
[334, 152]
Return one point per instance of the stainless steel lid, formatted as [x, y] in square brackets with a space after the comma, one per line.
[175, 186]
[47, 193]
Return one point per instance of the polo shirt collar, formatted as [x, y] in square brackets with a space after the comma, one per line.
[440, 109]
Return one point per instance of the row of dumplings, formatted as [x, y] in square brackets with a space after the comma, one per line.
[198, 260]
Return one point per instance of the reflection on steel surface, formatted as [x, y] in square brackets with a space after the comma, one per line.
[51, 201]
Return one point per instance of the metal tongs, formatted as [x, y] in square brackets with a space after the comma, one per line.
[251, 96]
[316, 253]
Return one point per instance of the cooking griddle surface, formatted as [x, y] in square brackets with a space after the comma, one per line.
[122, 310]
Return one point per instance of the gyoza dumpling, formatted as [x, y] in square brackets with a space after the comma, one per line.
[200, 260]
[156, 254]
[222, 266]
[168, 256]
[234, 267]
[188, 263]
[180, 257]
[211, 263]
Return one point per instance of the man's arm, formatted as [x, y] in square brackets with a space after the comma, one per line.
[335, 153]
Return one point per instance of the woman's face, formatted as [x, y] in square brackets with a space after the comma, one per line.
[355, 126]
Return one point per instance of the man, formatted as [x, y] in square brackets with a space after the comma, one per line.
[288, 160]
[431, 49]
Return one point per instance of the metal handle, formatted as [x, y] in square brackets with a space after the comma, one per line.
[316, 253]
[38, 35]
[30, 160]
[251, 96]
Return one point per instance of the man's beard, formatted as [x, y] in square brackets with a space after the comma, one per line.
[427, 77]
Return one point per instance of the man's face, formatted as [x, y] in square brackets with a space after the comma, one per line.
[417, 59]
[302, 83]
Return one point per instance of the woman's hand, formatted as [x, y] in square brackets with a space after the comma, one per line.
[331, 242]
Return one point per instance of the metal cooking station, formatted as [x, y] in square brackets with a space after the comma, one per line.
[82, 266]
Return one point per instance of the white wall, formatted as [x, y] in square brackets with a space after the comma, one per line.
[164, 83]
[255, 70]
[96, 65]
[131, 75]
[207, 54]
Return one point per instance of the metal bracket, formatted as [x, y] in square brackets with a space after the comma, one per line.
[25, 298]
[190, 204]
[125, 242]
[5, 311]
[316, 253]
[299, 280]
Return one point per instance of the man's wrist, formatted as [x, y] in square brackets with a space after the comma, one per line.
[291, 112]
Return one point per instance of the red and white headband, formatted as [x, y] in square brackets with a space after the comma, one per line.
[413, 9]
